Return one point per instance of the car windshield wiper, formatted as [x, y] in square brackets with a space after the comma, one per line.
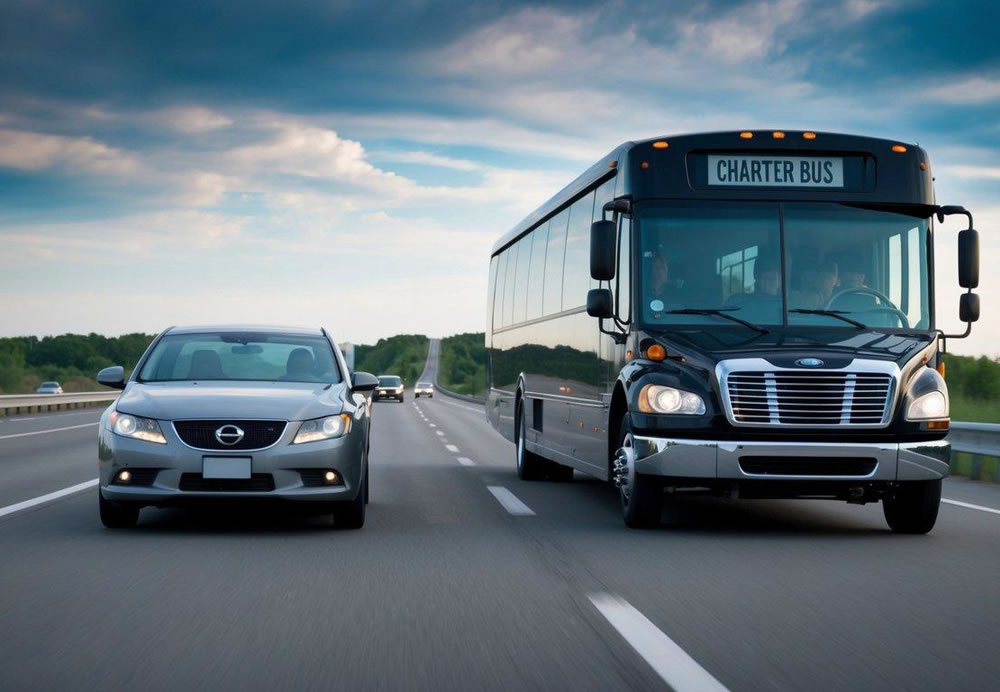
[719, 312]
[839, 314]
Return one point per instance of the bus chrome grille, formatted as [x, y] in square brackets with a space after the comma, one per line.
[814, 398]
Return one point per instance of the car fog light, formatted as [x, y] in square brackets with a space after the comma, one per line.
[124, 476]
[330, 477]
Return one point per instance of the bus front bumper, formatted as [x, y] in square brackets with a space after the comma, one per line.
[799, 461]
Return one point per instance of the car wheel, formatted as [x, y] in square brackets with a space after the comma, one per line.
[641, 495]
[530, 466]
[350, 514]
[117, 515]
[913, 507]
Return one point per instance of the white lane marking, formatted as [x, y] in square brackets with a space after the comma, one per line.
[971, 506]
[438, 432]
[467, 408]
[451, 448]
[432, 425]
[50, 430]
[466, 461]
[510, 502]
[670, 661]
[10, 509]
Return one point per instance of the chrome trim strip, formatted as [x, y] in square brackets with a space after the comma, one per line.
[566, 399]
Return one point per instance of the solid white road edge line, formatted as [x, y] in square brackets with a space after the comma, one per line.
[51, 430]
[10, 509]
[451, 448]
[510, 502]
[670, 661]
[970, 506]
[466, 461]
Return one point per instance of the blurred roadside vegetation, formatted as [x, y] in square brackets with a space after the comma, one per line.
[974, 388]
[404, 355]
[462, 365]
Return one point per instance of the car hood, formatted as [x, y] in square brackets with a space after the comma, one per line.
[268, 400]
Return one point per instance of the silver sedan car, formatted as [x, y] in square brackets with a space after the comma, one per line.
[213, 413]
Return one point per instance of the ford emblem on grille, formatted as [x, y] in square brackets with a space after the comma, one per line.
[229, 435]
[809, 362]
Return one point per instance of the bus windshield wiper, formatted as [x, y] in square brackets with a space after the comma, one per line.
[839, 314]
[719, 312]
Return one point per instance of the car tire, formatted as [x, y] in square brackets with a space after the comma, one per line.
[642, 497]
[530, 466]
[117, 515]
[350, 514]
[913, 507]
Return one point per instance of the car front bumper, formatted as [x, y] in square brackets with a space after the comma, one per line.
[287, 464]
[728, 460]
[388, 394]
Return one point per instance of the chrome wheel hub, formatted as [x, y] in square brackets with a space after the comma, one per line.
[623, 468]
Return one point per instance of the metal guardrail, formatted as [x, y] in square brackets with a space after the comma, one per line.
[18, 403]
[979, 440]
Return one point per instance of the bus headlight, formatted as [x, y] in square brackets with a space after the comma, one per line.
[655, 398]
[927, 397]
[327, 428]
[136, 427]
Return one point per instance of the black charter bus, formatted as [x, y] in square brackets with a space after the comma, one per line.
[749, 314]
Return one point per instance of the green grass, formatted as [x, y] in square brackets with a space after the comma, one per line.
[974, 410]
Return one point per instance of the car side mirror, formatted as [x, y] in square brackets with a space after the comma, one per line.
[599, 303]
[363, 382]
[968, 258]
[968, 307]
[113, 376]
[602, 250]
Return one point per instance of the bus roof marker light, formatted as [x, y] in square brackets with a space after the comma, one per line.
[746, 135]
[808, 135]
[644, 165]
[661, 144]
[899, 148]
[778, 135]
[612, 164]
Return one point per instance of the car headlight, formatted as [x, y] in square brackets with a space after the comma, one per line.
[927, 397]
[328, 428]
[655, 398]
[136, 427]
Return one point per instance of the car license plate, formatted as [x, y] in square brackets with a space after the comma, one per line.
[225, 467]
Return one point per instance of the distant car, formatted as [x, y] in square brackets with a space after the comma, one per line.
[217, 414]
[425, 388]
[49, 388]
[389, 387]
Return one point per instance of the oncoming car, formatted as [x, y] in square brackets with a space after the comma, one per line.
[214, 413]
[423, 389]
[389, 387]
[49, 388]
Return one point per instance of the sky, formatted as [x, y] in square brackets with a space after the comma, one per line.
[350, 164]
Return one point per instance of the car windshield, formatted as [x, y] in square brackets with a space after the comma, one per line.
[49, 384]
[842, 265]
[424, 385]
[389, 381]
[241, 356]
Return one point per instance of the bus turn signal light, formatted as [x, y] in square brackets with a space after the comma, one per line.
[899, 148]
[778, 135]
[656, 352]
[942, 368]
[746, 135]
[808, 135]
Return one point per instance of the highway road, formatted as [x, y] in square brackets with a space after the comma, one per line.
[466, 578]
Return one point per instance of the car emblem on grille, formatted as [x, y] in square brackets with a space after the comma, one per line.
[809, 362]
[229, 435]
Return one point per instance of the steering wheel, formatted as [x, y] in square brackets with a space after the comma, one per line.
[886, 306]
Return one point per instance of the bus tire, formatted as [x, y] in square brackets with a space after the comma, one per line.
[641, 495]
[530, 466]
[913, 507]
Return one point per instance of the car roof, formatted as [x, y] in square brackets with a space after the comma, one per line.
[266, 328]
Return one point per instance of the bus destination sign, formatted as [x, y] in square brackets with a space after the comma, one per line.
[734, 170]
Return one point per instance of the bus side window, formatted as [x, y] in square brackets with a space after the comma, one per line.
[624, 278]
[498, 291]
[536, 273]
[521, 279]
[555, 251]
[576, 271]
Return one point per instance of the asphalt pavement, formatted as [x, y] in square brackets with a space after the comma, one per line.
[465, 577]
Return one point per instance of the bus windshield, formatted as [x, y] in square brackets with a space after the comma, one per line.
[843, 266]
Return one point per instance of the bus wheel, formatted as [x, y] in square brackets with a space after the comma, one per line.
[530, 466]
[913, 508]
[641, 495]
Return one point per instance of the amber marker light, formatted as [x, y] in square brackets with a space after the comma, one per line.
[628, 354]
[746, 135]
[808, 135]
[942, 368]
[923, 166]
[778, 135]
[661, 144]
[899, 148]
[656, 352]
[644, 165]
[938, 425]
[612, 164]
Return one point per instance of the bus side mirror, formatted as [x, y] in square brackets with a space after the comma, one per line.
[602, 250]
[599, 302]
[968, 307]
[968, 259]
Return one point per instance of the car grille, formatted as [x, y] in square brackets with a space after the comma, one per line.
[257, 483]
[808, 466]
[257, 434]
[809, 398]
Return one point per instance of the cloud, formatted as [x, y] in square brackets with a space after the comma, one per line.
[190, 119]
[979, 172]
[428, 159]
[34, 151]
[975, 90]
